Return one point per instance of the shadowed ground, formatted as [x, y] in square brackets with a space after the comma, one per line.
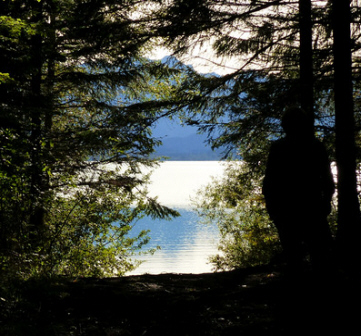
[257, 301]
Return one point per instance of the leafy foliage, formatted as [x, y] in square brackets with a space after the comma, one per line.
[235, 203]
[76, 96]
[261, 41]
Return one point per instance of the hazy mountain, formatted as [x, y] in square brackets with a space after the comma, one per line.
[188, 148]
[183, 143]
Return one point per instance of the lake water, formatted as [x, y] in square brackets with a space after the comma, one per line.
[185, 243]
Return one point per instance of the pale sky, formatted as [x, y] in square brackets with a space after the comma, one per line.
[201, 59]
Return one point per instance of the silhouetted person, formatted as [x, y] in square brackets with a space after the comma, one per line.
[298, 188]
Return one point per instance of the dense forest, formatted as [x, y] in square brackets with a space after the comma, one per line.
[79, 96]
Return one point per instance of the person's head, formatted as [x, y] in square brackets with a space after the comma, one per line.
[295, 122]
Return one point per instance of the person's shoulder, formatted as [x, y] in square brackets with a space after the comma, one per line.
[278, 141]
[281, 142]
[278, 147]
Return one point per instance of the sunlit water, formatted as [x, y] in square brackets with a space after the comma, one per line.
[186, 244]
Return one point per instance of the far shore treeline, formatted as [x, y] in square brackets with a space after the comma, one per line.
[78, 81]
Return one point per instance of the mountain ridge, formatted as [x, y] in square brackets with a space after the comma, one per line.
[187, 148]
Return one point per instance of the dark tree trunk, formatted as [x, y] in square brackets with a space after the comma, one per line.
[348, 203]
[306, 67]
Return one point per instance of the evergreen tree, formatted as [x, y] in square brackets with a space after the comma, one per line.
[274, 70]
[306, 64]
[348, 206]
[76, 111]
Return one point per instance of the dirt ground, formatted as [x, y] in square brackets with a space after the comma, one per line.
[256, 301]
